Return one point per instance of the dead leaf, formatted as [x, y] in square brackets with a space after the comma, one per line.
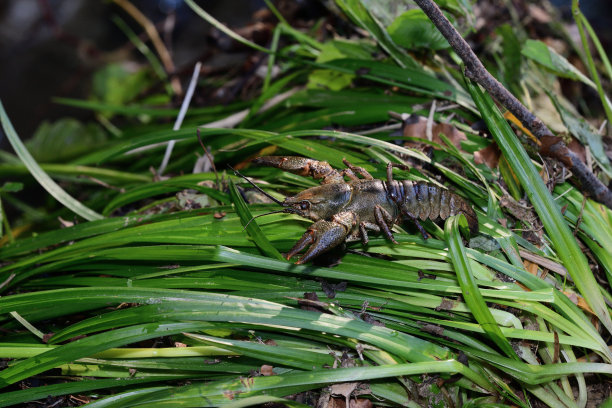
[489, 155]
[345, 390]
[311, 302]
[514, 120]
[266, 370]
[531, 267]
[418, 128]
[446, 304]
[579, 301]
[577, 147]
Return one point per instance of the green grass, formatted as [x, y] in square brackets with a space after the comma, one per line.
[159, 296]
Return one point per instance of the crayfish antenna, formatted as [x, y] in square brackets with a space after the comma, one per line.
[236, 172]
[261, 215]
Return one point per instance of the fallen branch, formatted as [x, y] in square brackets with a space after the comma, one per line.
[551, 145]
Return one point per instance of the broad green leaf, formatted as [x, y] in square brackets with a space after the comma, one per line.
[65, 139]
[413, 30]
[11, 187]
[585, 133]
[117, 84]
[39, 174]
[334, 80]
[361, 16]
[546, 56]
[512, 58]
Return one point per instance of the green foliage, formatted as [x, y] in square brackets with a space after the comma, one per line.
[64, 139]
[413, 30]
[549, 58]
[117, 84]
[180, 296]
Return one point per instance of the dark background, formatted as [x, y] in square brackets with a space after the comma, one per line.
[50, 48]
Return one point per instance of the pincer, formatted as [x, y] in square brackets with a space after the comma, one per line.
[323, 235]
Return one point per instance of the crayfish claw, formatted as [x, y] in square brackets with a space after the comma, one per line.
[307, 239]
[324, 235]
[327, 235]
[318, 170]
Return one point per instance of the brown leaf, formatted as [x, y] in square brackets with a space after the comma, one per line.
[579, 301]
[489, 156]
[266, 370]
[577, 147]
[419, 129]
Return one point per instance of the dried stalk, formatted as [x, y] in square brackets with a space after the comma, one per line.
[151, 31]
[551, 145]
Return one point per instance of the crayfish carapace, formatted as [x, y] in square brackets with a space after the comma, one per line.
[346, 210]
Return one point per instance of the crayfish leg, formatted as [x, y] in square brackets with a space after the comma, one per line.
[357, 170]
[415, 220]
[364, 234]
[382, 218]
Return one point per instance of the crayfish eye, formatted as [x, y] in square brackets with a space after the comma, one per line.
[304, 205]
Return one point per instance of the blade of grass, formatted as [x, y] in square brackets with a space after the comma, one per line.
[70, 169]
[217, 392]
[217, 24]
[471, 292]
[278, 355]
[75, 387]
[246, 218]
[39, 174]
[91, 345]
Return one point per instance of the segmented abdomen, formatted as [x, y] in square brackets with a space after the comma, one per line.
[428, 201]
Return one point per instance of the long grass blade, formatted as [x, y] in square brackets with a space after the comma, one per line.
[39, 174]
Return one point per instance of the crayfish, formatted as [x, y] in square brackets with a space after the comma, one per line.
[346, 211]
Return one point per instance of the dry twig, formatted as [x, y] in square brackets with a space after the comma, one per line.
[551, 145]
[151, 31]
